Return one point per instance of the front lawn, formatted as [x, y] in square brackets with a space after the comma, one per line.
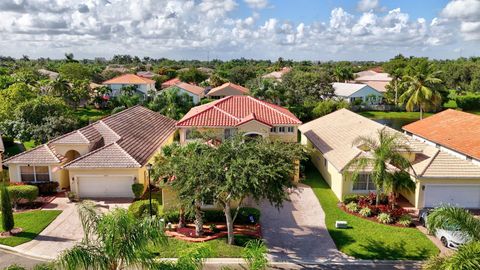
[218, 247]
[366, 239]
[392, 115]
[32, 223]
[90, 115]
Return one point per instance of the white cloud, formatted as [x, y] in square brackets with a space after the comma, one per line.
[467, 14]
[257, 4]
[368, 5]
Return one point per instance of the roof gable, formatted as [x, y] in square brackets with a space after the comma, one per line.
[129, 79]
[194, 89]
[109, 156]
[41, 154]
[227, 89]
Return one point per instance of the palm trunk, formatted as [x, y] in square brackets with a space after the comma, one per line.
[421, 113]
[396, 93]
[228, 218]
[181, 218]
[198, 218]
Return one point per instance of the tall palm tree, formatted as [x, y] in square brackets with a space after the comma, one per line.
[60, 87]
[115, 240]
[468, 256]
[421, 88]
[343, 73]
[381, 152]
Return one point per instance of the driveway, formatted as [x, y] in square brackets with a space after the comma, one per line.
[297, 232]
[64, 231]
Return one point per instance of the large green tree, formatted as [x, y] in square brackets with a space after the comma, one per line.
[386, 149]
[11, 97]
[73, 71]
[192, 75]
[170, 102]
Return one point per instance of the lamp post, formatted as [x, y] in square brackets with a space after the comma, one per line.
[149, 169]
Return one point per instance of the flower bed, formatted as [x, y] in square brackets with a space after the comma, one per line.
[364, 206]
[188, 232]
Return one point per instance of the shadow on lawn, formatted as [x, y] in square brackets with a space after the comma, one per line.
[393, 251]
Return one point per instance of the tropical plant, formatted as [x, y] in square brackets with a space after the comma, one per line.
[352, 207]
[405, 220]
[384, 218]
[170, 102]
[343, 73]
[365, 212]
[421, 88]
[255, 254]
[6, 208]
[398, 182]
[387, 148]
[113, 240]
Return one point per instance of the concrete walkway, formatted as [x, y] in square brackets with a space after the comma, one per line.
[297, 233]
[64, 232]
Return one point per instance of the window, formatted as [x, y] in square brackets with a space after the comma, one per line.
[290, 129]
[364, 182]
[34, 173]
[281, 129]
[273, 129]
[228, 132]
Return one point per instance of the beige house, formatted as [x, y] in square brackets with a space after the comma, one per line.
[227, 89]
[100, 160]
[194, 91]
[143, 85]
[330, 139]
[239, 114]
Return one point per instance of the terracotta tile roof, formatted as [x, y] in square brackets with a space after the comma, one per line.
[129, 79]
[196, 90]
[459, 131]
[252, 117]
[170, 82]
[232, 110]
[333, 134]
[137, 131]
[220, 90]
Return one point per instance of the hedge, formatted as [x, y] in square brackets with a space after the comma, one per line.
[141, 208]
[137, 190]
[27, 192]
[45, 188]
[468, 102]
[218, 216]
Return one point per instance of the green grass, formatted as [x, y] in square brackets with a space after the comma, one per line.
[32, 223]
[475, 112]
[366, 239]
[89, 115]
[218, 247]
[389, 115]
[29, 145]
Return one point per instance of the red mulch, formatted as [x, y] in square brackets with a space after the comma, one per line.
[188, 233]
[374, 218]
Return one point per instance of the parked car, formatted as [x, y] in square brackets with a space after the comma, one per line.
[451, 237]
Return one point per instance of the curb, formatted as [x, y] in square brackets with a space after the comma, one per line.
[13, 250]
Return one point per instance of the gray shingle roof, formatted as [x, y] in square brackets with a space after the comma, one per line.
[109, 156]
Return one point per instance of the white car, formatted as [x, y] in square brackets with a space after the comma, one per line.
[451, 238]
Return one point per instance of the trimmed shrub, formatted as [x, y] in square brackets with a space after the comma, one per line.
[468, 102]
[171, 216]
[365, 212]
[384, 218]
[45, 188]
[214, 216]
[137, 190]
[27, 192]
[351, 198]
[15, 267]
[405, 220]
[352, 207]
[140, 209]
[6, 208]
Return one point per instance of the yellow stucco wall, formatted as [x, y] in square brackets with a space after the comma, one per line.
[62, 149]
[14, 172]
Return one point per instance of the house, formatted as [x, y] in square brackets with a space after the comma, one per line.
[277, 75]
[143, 85]
[100, 160]
[52, 75]
[374, 78]
[355, 92]
[227, 89]
[170, 82]
[225, 117]
[196, 92]
[440, 176]
[146, 74]
[2, 150]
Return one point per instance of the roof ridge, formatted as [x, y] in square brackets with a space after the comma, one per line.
[225, 112]
[107, 126]
[126, 153]
[264, 103]
[33, 149]
[87, 154]
[81, 134]
[204, 107]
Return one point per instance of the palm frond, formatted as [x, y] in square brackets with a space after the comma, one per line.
[89, 218]
[83, 256]
[459, 217]
[466, 258]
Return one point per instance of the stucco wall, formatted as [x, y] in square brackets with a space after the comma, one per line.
[62, 149]
[196, 98]
[144, 88]
[14, 171]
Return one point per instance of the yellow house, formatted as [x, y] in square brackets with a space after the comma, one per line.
[440, 176]
[100, 160]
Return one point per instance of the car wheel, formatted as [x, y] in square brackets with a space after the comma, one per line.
[422, 222]
[444, 241]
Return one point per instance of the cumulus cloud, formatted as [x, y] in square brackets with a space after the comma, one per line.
[184, 28]
[368, 5]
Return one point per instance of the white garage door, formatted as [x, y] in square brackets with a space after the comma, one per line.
[467, 196]
[105, 186]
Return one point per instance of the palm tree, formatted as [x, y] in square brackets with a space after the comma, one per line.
[59, 87]
[397, 183]
[421, 88]
[468, 256]
[343, 73]
[384, 150]
[115, 240]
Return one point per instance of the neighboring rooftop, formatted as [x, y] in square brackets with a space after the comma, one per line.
[146, 74]
[52, 75]
[278, 74]
[171, 82]
[233, 110]
[347, 89]
[196, 90]
[384, 77]
[227, 89]
[456, 130]
[334, 133]
[129, 79]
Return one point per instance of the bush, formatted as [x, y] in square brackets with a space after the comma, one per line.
[384, 218]
[6, 208]
[140, 209]
[468, 102]
[44, 266]
[214, 228]
[27, 192]
[365, 212]
[405, 220]
[137, 190]
[327, 106]
[45, 188]
[351, 198]
[171, 216]
[118, 109]
[352, 207]
[8, 141]
[255, 253]
[15, 267]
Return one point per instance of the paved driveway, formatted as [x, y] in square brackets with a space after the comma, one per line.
[297, 232]
[64, 231]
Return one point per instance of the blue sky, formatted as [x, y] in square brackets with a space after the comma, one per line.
[225, 29]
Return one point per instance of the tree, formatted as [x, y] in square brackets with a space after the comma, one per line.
[171, 103]
[192, 75]
[11, 97]
[34, 111]
[189, 166]
[327, 106]
[395, 67]
[398, 182]
[6, 208]
[383, 150]
[114, 240]
[343, 73]
[468, 256]
[269, 90]
[421, 88]
[69, 58]
[59, 87]
[75, 71]
[241, 74]
[52, 127]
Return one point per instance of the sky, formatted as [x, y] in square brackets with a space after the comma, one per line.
[225, 29]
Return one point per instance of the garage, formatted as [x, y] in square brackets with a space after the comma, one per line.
[467, 196]
[105, 186]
